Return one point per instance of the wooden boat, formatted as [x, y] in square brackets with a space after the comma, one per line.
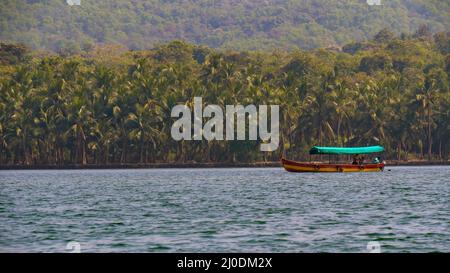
[294, 166]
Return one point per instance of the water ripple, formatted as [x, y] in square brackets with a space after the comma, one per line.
[225, 210]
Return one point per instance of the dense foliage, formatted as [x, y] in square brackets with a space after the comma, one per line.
[113, 106]
[225, 24]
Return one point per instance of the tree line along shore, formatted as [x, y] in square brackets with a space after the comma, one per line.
[112, 107]
[190, 165]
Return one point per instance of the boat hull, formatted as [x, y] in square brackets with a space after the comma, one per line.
[294, 166]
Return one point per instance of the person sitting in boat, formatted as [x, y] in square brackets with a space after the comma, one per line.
[361, 160]
[376, 160]
[355, 160]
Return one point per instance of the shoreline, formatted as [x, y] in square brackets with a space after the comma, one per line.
[270, 164]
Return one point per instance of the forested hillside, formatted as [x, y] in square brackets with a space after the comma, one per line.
[113, 106]
[232, 24]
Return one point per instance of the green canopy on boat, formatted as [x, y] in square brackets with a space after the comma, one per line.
[340, 150]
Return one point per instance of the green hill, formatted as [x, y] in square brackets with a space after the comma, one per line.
[241, 25]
